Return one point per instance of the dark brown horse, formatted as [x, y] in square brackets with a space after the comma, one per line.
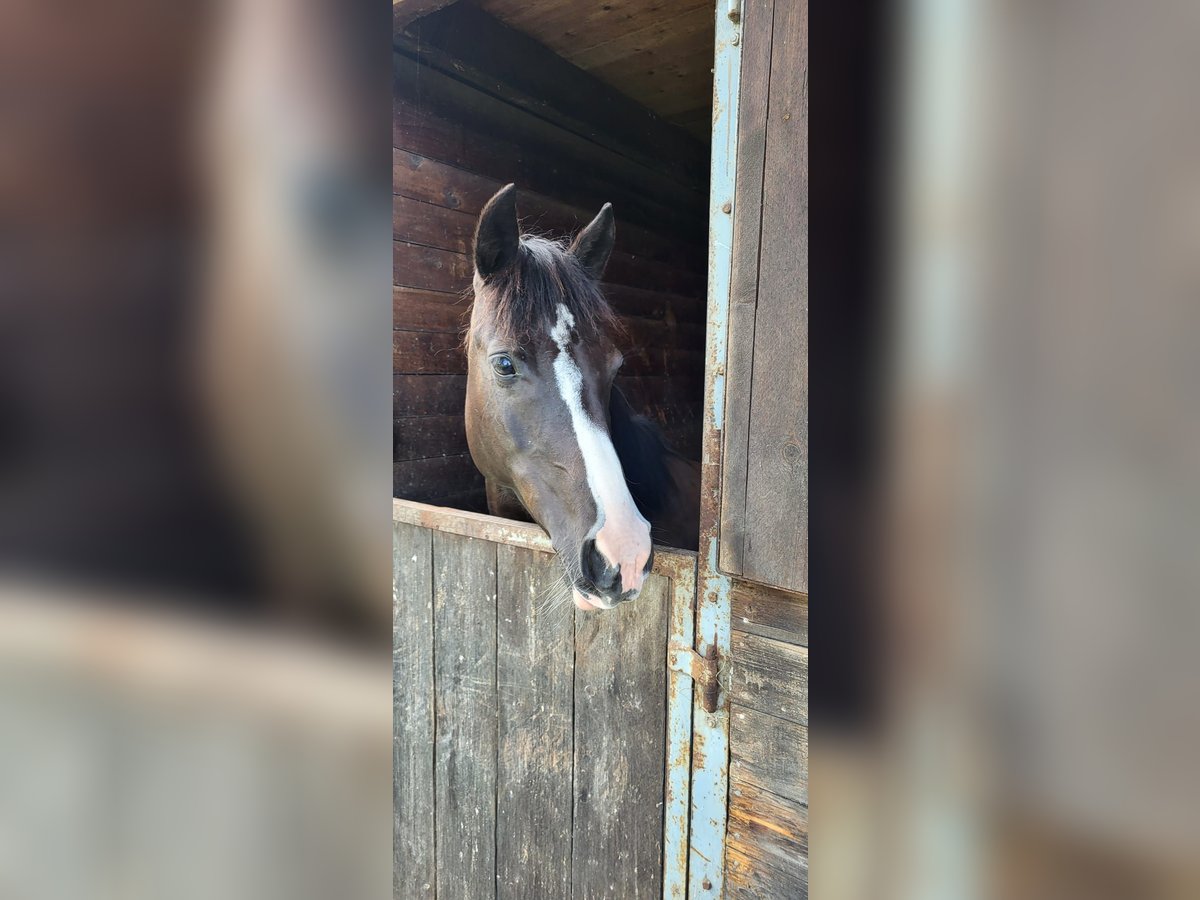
[554, 439]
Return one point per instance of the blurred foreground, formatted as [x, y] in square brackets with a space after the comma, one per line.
[1034, 728]
[194, 449]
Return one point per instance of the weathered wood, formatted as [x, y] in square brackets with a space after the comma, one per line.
[420, 222]
[764, 611]
[471, 45]
[428, 395]
[770, 676]
[428, 479]
[620, 708]
[743, 284]
[427, 353]
[407, 11]
[772, 522]
[497, 139]
[768, 752]
[432, 181]
[427, 268]
[777, 482]
[535, 637]
[423, 437]
[767, 851]
[625, 36]
[464, 608]
[412, 701]
[414, 310]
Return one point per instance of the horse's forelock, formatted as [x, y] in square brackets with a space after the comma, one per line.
[522, 300]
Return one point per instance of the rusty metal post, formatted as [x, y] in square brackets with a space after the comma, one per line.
[710, 713]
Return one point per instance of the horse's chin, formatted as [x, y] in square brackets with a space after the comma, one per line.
[589, 603]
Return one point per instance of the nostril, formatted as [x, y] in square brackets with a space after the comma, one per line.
[596, 569]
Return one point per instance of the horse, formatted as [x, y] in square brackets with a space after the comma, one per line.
[556, 441]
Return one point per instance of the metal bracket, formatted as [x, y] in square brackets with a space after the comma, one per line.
[734, 10]
[704, 670]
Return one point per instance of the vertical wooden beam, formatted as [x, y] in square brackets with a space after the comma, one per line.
[464, 608]
[620, 710]
[413, 862]
[535, 636]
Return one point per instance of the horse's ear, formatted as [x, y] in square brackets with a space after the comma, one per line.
[497, 236]
[593, 245]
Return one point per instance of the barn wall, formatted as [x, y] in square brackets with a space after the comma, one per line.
[472, 115]
[764, 462]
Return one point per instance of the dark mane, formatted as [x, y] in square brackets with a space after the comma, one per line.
[643, 454]
[523, 298]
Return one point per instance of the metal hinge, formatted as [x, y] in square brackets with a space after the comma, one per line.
[704, 670]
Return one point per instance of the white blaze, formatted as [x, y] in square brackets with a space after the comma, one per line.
[621, 533]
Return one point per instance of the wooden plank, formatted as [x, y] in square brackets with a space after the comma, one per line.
[419, 222]
[474, 47]
[412, 712]
[428, 479]
[768, 752]
[427, 353]
[648, 33]
[437, 182]
[743, 285]
[406, 11]
[497, 139]
[776, 551]
[770, 676]
[767, 851]
[464, 609]
[423, 437]
[620, 710]
[427, 268]
[770, 613]
[414, 310]
[428, 395]
[535, 637]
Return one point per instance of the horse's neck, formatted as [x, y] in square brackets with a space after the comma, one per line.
[643, 455]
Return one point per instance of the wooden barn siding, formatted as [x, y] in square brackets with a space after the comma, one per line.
[529, 738]
[764, 482]
[767, 837]
[454, 145]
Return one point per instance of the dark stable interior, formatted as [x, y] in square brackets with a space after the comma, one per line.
[478, 103]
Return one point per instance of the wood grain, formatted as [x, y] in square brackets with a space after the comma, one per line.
[427, 479]
[766, 857]
[414, 310]
[423, 437]
[620, 710]
[427, 353]
[770, 676]
[768, 752]
[776, 550]
[767, 612]
[428, 395]
[743, 286]
[464, 609]
[412, 712]
[535, 636]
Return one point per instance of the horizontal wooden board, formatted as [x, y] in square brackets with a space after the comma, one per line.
[438, 182]
[419, 222]
[428, 268]
[428, 395]
[423, 437]
[427, 353]
[472, 46]
[766, 855]
[764, 611]
[770, 676]
[414, 310]
[427, 479]
[768, 752]
[445, 119]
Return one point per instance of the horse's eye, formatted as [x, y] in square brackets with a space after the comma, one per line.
[503, 366]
